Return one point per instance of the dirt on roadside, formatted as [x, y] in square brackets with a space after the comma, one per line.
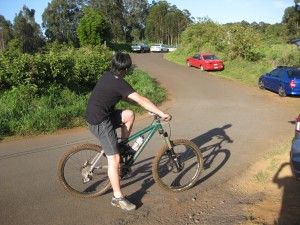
[251, 198]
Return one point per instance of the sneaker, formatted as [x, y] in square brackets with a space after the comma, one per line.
[123, 203]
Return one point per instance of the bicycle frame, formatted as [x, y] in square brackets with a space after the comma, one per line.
[151, 130]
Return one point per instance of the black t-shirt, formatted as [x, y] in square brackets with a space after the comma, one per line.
[109, 90]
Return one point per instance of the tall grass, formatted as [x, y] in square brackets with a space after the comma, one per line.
[25, 113]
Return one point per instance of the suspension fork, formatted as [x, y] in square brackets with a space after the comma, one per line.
[164, 135]
[171, 154]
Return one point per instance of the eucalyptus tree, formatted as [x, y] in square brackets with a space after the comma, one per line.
[61, 19]
[135, 14]
[155, 23]
[6, 33]
[27, 32]
[114, 11]
[166, 22]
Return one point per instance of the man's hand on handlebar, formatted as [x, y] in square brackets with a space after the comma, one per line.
[165, 117]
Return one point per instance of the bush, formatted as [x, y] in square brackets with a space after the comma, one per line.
[26, 112]
[77, 70]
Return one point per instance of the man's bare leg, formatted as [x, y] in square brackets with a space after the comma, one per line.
[128, 118]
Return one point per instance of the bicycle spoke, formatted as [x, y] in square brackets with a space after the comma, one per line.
[180, 169]
[75, 175]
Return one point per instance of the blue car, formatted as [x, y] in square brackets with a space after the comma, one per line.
[295, 151]
[283, 80]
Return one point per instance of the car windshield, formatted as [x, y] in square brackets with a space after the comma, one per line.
[294, 74]
[210, 57]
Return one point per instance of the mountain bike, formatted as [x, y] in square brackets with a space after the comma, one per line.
[177, 166]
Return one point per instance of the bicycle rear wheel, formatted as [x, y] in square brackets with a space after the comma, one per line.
[177, 169]
[73, 175]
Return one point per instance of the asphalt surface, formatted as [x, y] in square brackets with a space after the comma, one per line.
[233, 124]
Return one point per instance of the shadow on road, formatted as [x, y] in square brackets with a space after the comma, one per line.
[141, 174]
[290, 205]
[215, 156]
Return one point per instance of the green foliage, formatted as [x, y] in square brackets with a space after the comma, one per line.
[292, 19]
[45, 92]
[233, 41]
[6, 33]
[65, 67]
[93, 28]
[165, 23]
[242, 42]
[199, 35]
[114, 12]
[61, 19]
[27, 31]
[89, 65]
[25, 113]
[135, 14]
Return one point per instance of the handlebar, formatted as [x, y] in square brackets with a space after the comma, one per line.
[158, 117]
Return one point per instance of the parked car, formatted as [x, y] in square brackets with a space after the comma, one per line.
[205, 61]
[140, 47]
[159, 48]
[295, 151]
[283, 80]
[172, 48]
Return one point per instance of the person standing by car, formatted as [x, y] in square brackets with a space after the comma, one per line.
[102, 118]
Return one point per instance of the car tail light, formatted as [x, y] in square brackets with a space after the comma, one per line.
[298, 124]
[292, 84]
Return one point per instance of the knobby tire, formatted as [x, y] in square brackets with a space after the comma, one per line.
[165, 174]
[69, 172]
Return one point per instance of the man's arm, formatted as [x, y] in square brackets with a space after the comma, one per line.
[130, 101]
[147, 104]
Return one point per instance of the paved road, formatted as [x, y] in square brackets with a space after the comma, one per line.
[231, 123]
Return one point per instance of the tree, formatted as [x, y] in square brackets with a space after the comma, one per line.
[165, 23]
[292, 20]
[61, 19]
[114, 12]
[135, 14]
[6, 33]
[27, 31]
[93, 28]
[156, 28]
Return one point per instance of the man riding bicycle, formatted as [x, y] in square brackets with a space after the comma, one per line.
[102, 118]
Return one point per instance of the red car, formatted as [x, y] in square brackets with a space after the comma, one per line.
[205, 61]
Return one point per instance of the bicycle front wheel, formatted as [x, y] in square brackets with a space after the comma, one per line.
[77, 177]
[179, 168]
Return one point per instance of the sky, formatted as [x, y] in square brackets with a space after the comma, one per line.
[219, 11]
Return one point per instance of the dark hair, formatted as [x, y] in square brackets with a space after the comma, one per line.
[119, 63]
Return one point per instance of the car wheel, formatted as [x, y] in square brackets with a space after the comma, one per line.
[142, 50]
[201, 68]
[188, 63]
[281, 91]
[261, 84]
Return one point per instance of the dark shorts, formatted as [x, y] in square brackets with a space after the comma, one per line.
[106, 132]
